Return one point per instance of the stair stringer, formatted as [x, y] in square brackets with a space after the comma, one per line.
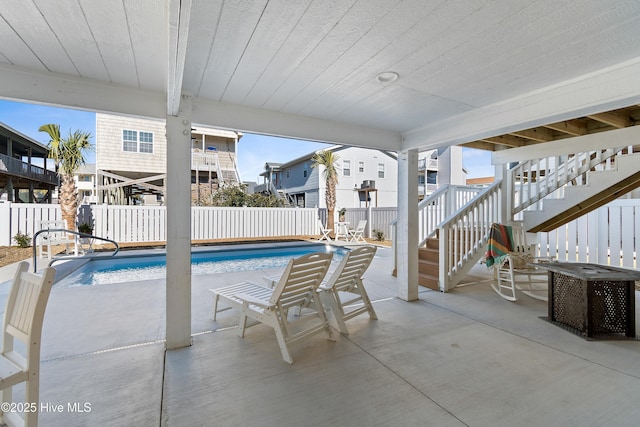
[603, 187]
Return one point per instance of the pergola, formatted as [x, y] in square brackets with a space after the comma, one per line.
[399, 76]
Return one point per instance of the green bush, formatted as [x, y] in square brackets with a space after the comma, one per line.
[379, 235]
[22, 240]
[85, 228]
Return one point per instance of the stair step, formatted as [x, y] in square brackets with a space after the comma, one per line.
[428, 267]
[429, 254]
[433, 243]
[428, 281]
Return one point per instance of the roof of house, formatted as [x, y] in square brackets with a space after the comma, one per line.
[21, 142]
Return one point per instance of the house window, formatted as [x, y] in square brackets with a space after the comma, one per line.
[361, 167]
[134, 141]
[380, 170]
[421, 179]
[288, 172]
[432, 177]
[130, 140]
[346, 167]
[146, 142]
[306, 167]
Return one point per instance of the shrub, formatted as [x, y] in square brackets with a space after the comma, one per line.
[379, 235]
[85, 228]
[22, 240]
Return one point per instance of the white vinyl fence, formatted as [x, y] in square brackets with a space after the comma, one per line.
[148, 223]
[589, 239]
[609, 235]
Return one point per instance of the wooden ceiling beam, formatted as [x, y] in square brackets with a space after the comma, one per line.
[572, 127]
[479, 145]
[536, 134]
[508, 140]
[616, 119]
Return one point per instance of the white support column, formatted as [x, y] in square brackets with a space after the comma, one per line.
[407, 227]
[178, 202]
[501, 171]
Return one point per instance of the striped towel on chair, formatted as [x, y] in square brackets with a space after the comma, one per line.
[499, 245]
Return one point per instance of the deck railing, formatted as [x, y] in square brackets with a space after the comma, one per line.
[19, 168]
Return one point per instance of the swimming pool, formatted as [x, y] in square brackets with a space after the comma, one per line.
[137, 267]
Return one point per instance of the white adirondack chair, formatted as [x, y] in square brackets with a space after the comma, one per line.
[297, 287]
[23, 317]
[346, 282]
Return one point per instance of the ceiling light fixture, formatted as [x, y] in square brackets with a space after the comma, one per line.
[387, 77]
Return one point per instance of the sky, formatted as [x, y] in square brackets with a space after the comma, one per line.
[253, 150]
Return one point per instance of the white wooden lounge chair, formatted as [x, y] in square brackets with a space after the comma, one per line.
[357, 235]
[346, 282]
[23, 318]
[325, 232]
[297, 287]
[516, 271]
[49, 239]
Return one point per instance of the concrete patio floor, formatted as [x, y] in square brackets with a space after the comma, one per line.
[465, 358]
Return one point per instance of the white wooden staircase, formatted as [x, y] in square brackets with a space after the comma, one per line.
[553, 185]
[552, 190]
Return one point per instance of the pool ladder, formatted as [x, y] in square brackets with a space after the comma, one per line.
[81, 236]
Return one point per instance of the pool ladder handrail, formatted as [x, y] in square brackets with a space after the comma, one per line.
[80, 235]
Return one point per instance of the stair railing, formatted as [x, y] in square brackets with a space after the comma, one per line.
[463, 236]
[435, 209]
[535, 179]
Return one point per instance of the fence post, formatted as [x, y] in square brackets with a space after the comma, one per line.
[5, 218]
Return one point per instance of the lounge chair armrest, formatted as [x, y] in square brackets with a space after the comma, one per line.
[271, 281]
[324, 286]
[253, 300]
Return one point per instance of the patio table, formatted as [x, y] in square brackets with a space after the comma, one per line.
[342, 230]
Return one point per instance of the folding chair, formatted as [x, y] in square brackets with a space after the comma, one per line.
[357, 235]
[23, 317]
[325, 232]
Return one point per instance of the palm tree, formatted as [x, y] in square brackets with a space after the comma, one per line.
[68, 156]
[328, 159]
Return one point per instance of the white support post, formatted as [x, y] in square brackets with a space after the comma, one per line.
[407, 227]
[508, 188]
[178, 187]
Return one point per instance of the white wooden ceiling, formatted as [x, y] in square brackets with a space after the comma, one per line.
[469, 69]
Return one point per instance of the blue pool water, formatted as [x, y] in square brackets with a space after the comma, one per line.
[137, 268]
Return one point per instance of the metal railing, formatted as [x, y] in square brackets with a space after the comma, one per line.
[79, 235]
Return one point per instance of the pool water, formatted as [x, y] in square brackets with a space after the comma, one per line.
[138, 268]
